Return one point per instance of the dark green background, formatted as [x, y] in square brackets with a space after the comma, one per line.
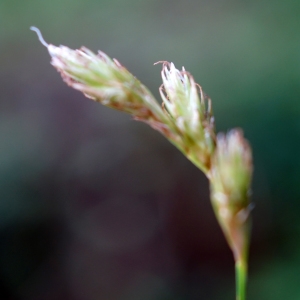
[96, 206]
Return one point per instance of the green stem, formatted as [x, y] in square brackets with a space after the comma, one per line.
[241, 279]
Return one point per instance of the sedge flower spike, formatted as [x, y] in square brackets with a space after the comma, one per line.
[191, 112]
[106, 81]
[186, 120]
[230, 188]
[230, 181]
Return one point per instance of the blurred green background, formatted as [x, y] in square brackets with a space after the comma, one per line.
[96, 206]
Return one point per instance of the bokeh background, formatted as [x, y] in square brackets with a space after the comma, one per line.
[95, 206]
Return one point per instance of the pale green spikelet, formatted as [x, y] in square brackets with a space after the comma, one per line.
[106, 81]
[191, 112]
[230, 181]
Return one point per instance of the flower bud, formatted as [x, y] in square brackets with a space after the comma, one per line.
[230, 179]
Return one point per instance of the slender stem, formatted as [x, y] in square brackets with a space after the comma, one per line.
[241, 279]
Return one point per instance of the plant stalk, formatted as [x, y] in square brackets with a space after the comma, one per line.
[241, 278]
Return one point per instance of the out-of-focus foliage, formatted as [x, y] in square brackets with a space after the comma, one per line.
[94, 206]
